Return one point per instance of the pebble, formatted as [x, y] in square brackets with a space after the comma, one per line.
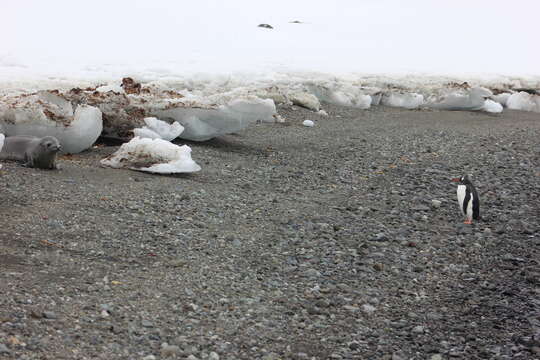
[213, 356]
[147, 324]
[169, 350]
[4, 349]
[308, 123]
[436, 357]
[149, 357]
[351, 308]
[379, 237]
[50, 315]
[312, 273]
[436, 203]
[368, 309]
[418, 329]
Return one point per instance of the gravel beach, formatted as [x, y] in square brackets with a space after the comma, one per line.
[338, 241]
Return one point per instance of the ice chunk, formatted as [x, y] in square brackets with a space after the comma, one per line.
[523, 101]
[273, 93]
[341, 98]
[501, 98]
[202, 123]
[144, 132]
[308, 123]
[473, 100]
[492, 106]
[306, 100]
[120, 116]
[50, 114]
[157, 129]
[376, 98]
[154, 156]
[403, 100]
[342, 95]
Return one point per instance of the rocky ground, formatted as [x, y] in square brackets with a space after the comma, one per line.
[341, 241]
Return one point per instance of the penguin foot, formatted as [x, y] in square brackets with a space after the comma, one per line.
[47, 242]
[468, 222]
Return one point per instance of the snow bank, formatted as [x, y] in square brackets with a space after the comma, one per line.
[48, 113]
[193, 117]
[157, 129]
[154, 156]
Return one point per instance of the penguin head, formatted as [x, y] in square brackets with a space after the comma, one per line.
[464, 180]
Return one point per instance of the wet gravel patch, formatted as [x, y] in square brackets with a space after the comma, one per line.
[340, 241]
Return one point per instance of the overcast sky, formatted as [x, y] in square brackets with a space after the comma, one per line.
[493, 36]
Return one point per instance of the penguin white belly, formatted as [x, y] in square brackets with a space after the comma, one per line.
[461, 189]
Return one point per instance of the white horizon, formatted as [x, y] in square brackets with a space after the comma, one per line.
[90, 39]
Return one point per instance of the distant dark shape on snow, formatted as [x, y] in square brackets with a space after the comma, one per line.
[296, 22]
[266, 26]
[469, 202]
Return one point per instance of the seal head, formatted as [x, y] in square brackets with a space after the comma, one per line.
[43, 155]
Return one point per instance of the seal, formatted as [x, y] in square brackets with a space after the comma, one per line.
[33, 151]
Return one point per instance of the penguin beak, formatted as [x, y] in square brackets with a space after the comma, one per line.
[456, 179]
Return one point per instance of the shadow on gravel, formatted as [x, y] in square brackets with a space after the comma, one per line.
[222, 143]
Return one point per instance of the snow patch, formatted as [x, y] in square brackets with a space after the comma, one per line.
[154, 156]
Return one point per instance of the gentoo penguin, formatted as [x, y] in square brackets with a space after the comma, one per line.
[468, 199]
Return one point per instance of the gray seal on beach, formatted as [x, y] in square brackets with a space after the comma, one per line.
[33, 151]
